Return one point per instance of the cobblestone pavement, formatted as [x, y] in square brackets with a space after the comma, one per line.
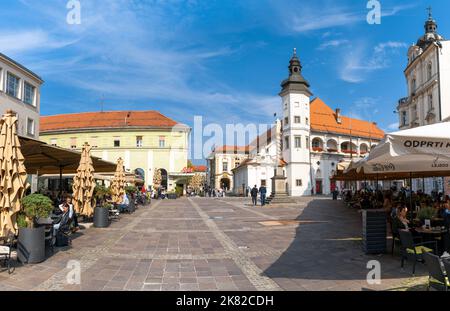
[219, 244]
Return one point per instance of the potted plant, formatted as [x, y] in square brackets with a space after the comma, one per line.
[426, 213]
[172, 195]
[31, 241]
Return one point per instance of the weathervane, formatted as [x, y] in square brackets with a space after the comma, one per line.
[430, 12]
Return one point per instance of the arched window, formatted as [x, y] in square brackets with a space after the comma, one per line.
[363, 149]
[413, 85]
[332, 146]
[317, 144]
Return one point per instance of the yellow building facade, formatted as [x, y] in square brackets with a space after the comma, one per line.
[147, 141]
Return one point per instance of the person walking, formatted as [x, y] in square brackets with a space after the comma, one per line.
[262, 193]
[254, 194]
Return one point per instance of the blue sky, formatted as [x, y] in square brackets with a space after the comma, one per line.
[220, 59]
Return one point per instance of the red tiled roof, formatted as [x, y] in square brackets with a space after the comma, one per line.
[109, 119]
[323, 119]
[200, 168]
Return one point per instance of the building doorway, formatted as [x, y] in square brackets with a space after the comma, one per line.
[164, 178]
[319, 189]
[225, 184]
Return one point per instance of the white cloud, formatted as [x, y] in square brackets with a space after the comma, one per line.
[358, 64]
[332, 44]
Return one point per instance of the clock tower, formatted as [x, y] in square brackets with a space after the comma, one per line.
[295, 95]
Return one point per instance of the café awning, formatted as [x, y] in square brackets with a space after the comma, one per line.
[41, 158]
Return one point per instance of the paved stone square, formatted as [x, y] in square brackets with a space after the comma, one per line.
[220, 244]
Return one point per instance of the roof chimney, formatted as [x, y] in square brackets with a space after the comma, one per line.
[338, 116]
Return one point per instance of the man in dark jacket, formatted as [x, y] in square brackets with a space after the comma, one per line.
[254, 194]
[263, 192]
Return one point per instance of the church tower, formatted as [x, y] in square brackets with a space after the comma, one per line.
[296, 128]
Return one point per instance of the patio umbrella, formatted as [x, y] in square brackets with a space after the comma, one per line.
[13, 176]
[118, 184]
[84, 184]
[423, 149]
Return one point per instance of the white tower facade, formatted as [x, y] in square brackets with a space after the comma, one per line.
[296, 128]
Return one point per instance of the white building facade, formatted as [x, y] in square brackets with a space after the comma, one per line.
[20, 92]
[427, 76]
[314, 140]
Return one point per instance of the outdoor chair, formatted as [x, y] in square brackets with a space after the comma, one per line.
[412, 250]
[437, 277]
[63, 234]
[114, 214]
[5, 252]
[49, 237]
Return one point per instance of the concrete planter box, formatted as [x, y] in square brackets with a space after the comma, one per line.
[31, 245]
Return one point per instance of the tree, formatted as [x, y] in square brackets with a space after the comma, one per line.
[196, 182]
[157, 179]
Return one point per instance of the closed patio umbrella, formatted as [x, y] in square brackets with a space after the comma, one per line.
[84, 184]
[13, 175]
[118, 184]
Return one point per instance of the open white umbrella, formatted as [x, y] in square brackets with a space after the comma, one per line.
[422, 149]
[13, 176]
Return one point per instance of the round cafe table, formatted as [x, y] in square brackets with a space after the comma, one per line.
[433, 234]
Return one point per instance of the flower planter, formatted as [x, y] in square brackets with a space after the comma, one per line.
[31, 245]
[101, 217]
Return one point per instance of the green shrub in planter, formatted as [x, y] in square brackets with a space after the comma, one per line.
[131, 189]
[100, 193]
[22, 220]
[426, 213]
[36, 206]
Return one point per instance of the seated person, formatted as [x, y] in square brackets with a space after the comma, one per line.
[72, 214]
[401, 220]
[63, 222]
[125, 204]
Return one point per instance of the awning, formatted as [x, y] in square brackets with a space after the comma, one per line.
[41, 158]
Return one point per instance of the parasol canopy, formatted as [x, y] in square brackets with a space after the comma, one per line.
[84, 184]
[13, 175]
[118, 184]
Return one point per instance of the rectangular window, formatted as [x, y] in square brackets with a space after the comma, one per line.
[307, 142]
[404, 118]
[286, 121]
[225, 166]
[139, 141]
[286, 142]
[12, 85]
[162, 142]
[299, 182]
[263, 183]
[116, 142]
[73, 143]
[298, 141]
[297, 104]
[54, 142]
[30, 127]
[29, 92]
[307, 121]
[297, 120]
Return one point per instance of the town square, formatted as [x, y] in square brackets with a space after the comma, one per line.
[209, 146]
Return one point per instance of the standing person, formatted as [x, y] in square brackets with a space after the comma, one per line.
[254, 194]
[262, 193]
[247, 191]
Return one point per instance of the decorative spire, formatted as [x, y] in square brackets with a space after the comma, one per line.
[295, 67]
[430, 13]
